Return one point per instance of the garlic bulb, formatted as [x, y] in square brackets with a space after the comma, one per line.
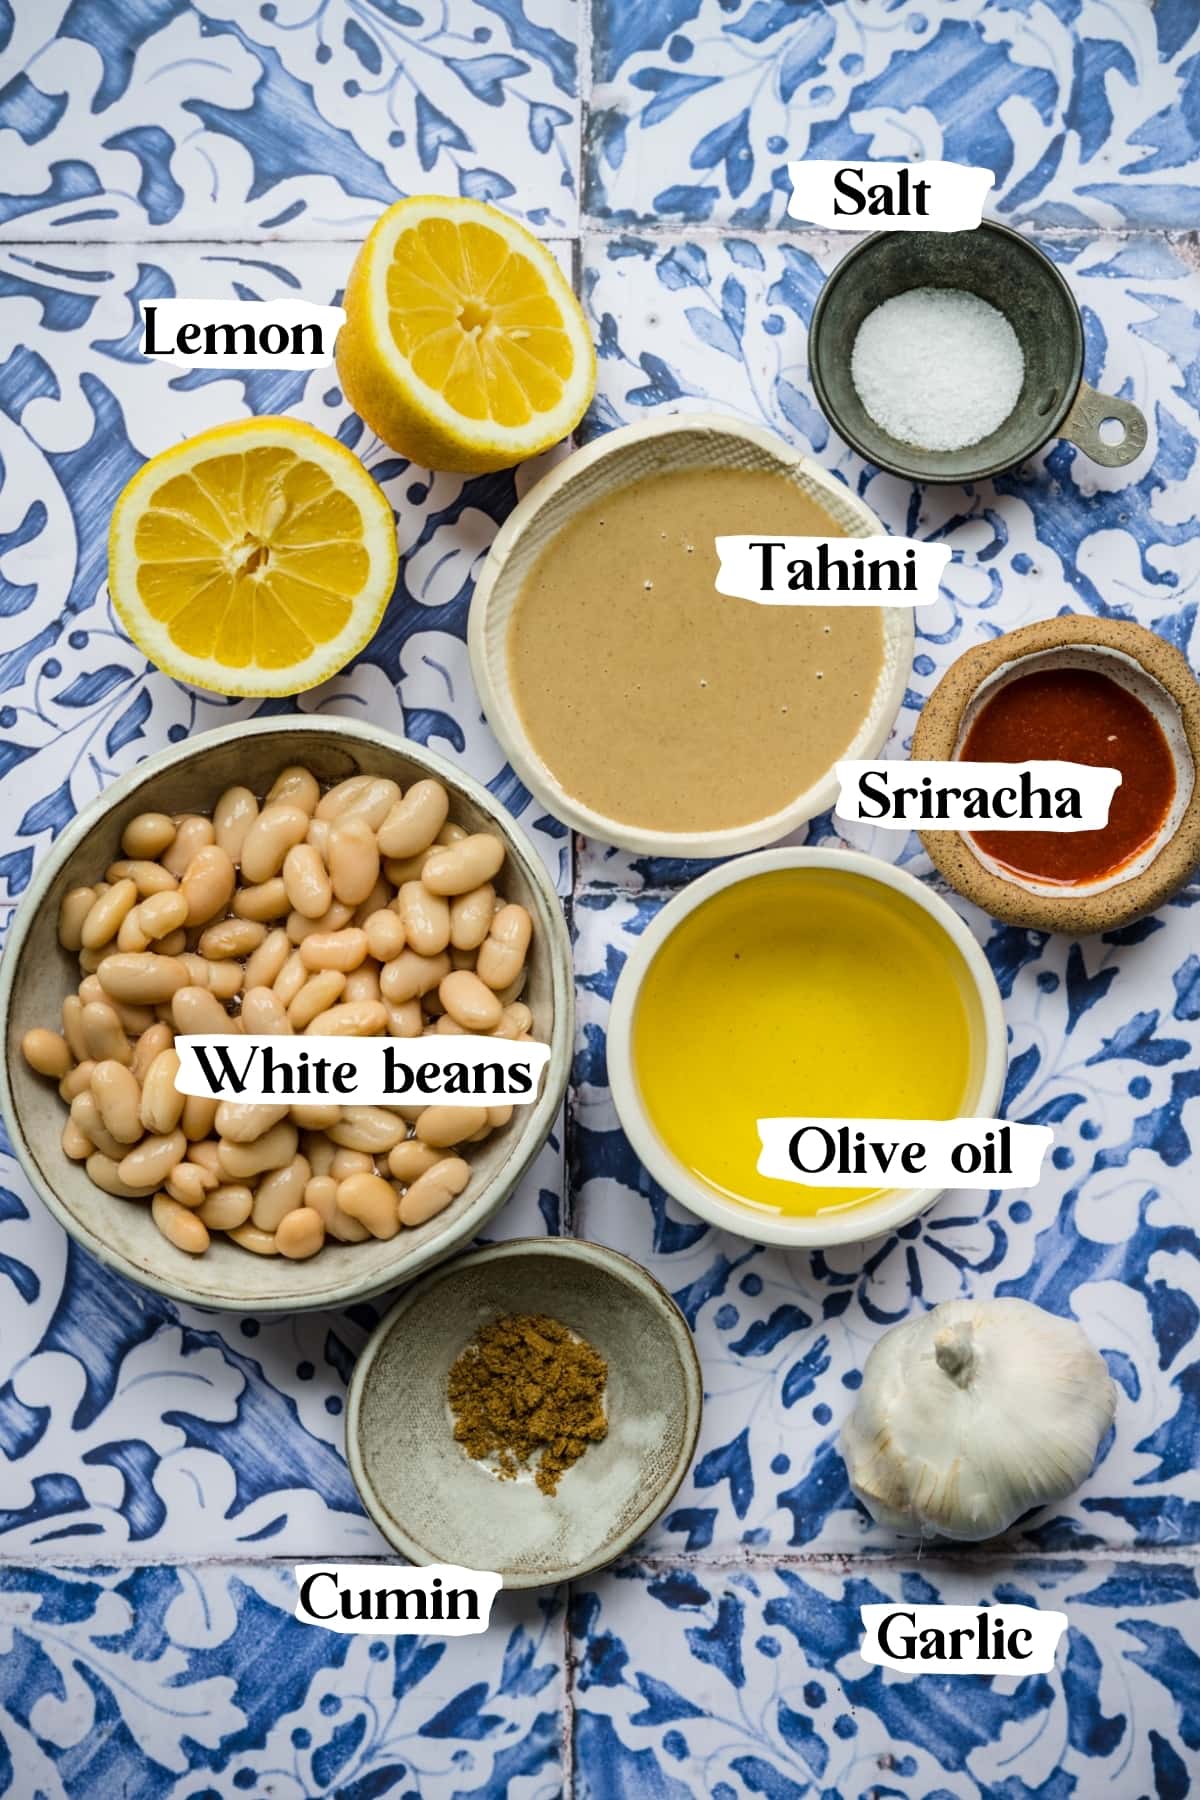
[972, 1414]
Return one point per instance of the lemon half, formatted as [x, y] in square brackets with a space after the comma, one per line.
[256, 558]
[464, 347]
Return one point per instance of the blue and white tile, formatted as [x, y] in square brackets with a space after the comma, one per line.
[127, 1419]
[1105, 1048]
[168, 1683]
[214, 118]
[1084, 112]
[740, 1683]
[720, 324]
[80, 410]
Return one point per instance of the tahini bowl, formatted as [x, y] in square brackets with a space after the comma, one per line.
[622, 458]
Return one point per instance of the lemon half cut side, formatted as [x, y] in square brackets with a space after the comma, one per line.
[464, 347]
[253, 559]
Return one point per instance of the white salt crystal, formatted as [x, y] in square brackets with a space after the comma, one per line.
[937, 367]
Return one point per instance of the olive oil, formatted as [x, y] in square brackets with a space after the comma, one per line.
[802, 992]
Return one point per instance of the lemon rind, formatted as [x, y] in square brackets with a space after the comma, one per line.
[378, 538]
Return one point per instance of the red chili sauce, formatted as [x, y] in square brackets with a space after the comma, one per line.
[1076, 715]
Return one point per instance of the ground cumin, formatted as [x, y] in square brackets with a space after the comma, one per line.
[523, 1384]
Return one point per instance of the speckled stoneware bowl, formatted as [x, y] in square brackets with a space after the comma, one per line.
[36, 974]
[1160, 677]
[1018, 279]
[435, 1504]
[619, 459]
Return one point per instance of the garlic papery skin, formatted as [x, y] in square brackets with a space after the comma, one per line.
[973, 1414]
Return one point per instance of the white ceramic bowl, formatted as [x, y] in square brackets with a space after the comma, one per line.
[36, 974]
[636, 453]
[854, 1224]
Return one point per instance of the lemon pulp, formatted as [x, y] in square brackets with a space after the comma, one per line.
[258, 553]
[800, 993]
[477, 322]
[464, 347]
[255, 558]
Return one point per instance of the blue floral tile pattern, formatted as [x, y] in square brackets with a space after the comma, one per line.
[1085, 112]
[748, 1682]
[157, 1681]
[226, 120]
[128, 1420]
[161, 1466]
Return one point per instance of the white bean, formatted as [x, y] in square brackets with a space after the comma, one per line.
[148, 835]
[192, 834]
[464, 865]
[180, 1226]
[426, 918]
[119, 1099]
[233, 815]
[153, 1159]
[441, 1126]
[143, 978]
[207, 884]
[265, 901]
[271, 1151]
[469, 1003]
[433, 1191]
[372, 1201]
[277, 827]
[298, 786]
[279, 1193]
[307, 881]
[353, 859]
[414, 822]
[245, 1121]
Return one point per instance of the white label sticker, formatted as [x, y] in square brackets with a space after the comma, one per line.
[241, 334]
[898, 196]
[961, 1640]
[392, 1600]
[979, 796]
[838, 571]
[902, 1153]
[448, 1071]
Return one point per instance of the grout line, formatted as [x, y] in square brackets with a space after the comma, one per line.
[972, 1556]
[595, 227]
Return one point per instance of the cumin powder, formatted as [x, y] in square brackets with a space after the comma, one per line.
[526, 1384]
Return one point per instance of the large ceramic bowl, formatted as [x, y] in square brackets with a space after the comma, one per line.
[852, 1224]
[36, 975]
[436, 1505]
[621, 459]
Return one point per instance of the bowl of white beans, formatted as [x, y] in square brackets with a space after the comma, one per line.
[279, 876]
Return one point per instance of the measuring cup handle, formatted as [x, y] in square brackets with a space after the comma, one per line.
[1089, 411]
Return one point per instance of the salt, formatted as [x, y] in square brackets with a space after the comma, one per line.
[937, 367]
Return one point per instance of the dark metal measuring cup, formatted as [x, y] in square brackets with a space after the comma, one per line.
[1013, 275]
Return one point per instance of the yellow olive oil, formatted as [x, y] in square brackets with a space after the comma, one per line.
[800, 993]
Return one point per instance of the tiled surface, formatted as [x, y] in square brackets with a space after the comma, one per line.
[1083, 111]
[748, 1682]
[229, 119]
[159, 1466]
[230, 1696]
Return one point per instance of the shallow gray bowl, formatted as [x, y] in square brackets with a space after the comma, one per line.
[36, 975]
[435, 1504]
[1011, 274]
